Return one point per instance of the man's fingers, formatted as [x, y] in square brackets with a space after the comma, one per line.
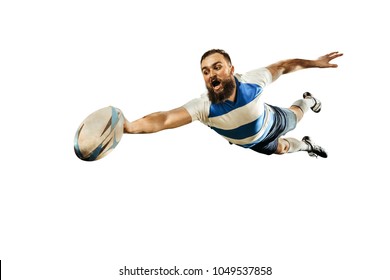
[333, 55]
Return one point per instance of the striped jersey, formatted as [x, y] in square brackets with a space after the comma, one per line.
[245, 122]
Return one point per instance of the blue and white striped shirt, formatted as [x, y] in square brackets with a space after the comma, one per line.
[244, 122]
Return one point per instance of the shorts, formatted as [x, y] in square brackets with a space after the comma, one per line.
[285, 121]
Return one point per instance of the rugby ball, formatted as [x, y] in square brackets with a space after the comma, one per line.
[99, 134]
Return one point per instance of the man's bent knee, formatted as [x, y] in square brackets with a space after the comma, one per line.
[283, 146]
[297, 111]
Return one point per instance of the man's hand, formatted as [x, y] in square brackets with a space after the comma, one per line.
[323, 61]
[290, 65]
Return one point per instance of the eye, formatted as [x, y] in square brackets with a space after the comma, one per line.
[205, 72]
[218, 67]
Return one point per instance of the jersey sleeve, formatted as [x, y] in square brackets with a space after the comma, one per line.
[261, 76]
[198, 108]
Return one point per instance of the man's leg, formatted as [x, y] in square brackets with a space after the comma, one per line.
[292, 145]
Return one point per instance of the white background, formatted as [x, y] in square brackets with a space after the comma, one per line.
[185, 197]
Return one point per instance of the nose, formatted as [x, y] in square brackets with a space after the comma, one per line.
[212, 74]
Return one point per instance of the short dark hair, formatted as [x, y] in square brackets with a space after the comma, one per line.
[213, 51]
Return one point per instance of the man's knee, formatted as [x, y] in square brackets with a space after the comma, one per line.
[283, 146]
[297, 111]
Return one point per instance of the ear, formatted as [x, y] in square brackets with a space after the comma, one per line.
[232, 70]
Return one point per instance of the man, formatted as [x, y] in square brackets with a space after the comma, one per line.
[233, 106]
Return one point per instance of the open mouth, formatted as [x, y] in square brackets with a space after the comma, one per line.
[215, 83]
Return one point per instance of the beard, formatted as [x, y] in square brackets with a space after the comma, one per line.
[228, 88]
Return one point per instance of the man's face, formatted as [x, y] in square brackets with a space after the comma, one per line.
[218, 76]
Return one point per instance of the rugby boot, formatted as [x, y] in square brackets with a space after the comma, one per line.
[315, 150]
[316, 108]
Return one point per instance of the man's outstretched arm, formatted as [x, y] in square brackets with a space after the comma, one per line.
[158, 121]
[290, 65]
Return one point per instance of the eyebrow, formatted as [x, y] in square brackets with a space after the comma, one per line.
[215, 63]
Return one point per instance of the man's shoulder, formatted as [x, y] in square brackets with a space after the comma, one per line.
[199, 103]
[260, 76]
[199, 108]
